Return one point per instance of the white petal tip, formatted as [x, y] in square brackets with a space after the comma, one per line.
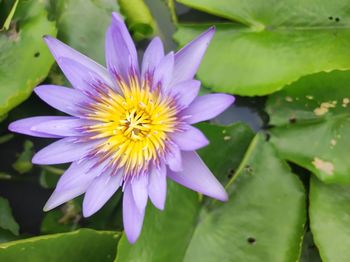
[131, 241]
[160, 207]
[45, 208]
[220, 195]
[87, 214]
[132, 237]
[223, 198]
[48, 206]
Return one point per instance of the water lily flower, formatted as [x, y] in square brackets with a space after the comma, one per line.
[129, 127]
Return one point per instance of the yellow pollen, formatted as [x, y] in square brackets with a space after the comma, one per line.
[135, 123]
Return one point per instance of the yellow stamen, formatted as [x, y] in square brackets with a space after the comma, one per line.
[135, 123]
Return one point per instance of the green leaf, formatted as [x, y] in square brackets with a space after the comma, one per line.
[139, 18]
[85, 244]
[109, 217]
[6, 219]
[263, 219]
[276, 43]
[23, 163]
[329, 220]
[6, 235]
[313, 124]
[165, 234]
[10, 7]
[229, 144]
[24, 58]
[61, 220]
[82, 24]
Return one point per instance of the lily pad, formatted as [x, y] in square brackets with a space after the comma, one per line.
[82, 24]
[268, 44]
[163, 230]
[6, 219]
[165, 234]
[329, 220]
[262, 221]
[229, 144]
[24, 58]
[313, 122]
[85, 243]
[6, 236]
[61, 220]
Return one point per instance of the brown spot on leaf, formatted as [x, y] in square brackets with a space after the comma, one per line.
[289, 99]
[333, 142]
[12, 33]
[324, 166]
[324, 107]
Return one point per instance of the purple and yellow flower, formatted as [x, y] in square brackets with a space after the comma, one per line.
[128, 128]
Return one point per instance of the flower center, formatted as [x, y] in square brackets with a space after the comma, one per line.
[135, 124]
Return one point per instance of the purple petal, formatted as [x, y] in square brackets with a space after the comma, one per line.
[206, 107]
[58, 198]
[80, 172]
[71, 184]
[197, 176]
[81, 77]
[187, 60]
[24, 126]
[185, 92]
[153, 54]
[121, 55]
[62, 98]
[191, 139]
[68, 126]
[60, 50]
[164, 71]
[157, 186]
[132, 217]
[100, 191]
[173, 158]
[140, 191]
[63, 151]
